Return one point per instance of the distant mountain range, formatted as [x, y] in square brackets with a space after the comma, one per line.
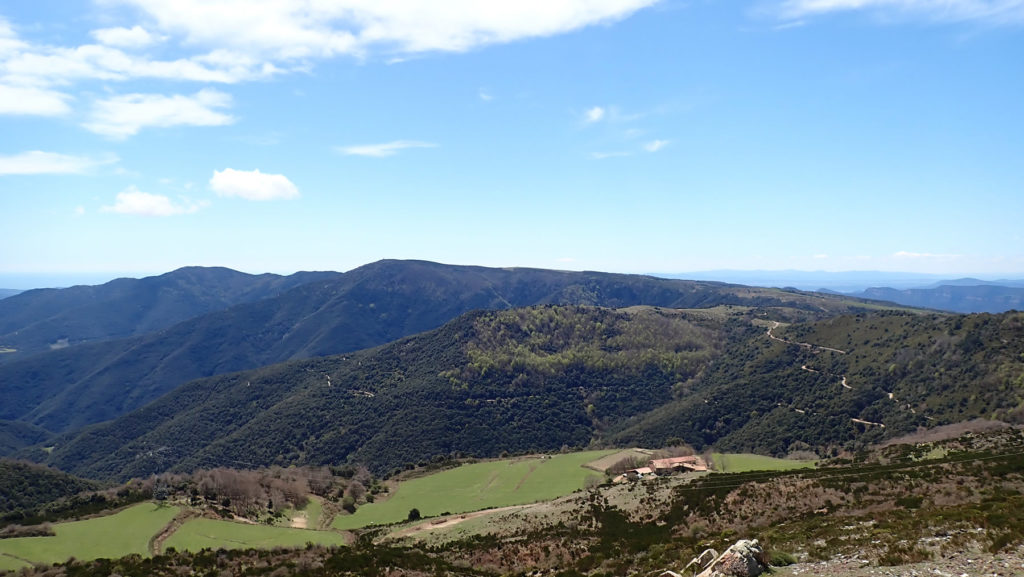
[88, 382]
[845, 282]
[4, 293]
[962, 295]
[960, 298]
[44, 319]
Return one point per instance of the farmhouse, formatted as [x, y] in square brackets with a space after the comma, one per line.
[634, 474]
[668, 466]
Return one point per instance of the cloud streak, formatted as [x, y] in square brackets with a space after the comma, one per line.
[991, 11]
[384, 149]
[39, 162]
[123, 116]
[324, 28]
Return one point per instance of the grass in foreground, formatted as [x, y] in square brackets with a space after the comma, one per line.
[199, 533]
[479, 486]
[743, 462]
[123, 533]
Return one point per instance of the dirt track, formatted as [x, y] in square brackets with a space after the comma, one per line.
[450, 521]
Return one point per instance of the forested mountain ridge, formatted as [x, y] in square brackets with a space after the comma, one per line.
[475, 385]
[536, 379]
[371, 305]
[42, 319]
[850, 380]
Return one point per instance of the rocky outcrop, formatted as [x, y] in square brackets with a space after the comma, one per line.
[744, 559]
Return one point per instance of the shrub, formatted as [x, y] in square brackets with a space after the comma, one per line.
[780, 559]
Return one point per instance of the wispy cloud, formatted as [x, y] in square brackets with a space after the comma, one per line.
[123, 116]
[252, 185]
[132, 201]
[485, 95]
[384, 149]
[39, 162]
[594, 114]
[302, 30]
[222, 41]
[655, 145]
[992, 11]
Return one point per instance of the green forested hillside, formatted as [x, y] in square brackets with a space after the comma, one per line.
[15, 435]
[540, 378]
[25, 487]
[437, 393]
[372, 305]
[899, 370]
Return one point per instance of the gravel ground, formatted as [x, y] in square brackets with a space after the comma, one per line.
[1006, 564]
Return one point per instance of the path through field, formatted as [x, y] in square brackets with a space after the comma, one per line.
[446, 522]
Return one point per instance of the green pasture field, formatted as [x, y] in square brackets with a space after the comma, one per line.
[113, 536]
[199, 533]
[479, 486]
[743, 462]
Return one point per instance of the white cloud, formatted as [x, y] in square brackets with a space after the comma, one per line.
[485, 95]
[230, 41]
[384, 149]
[79, 210]
[123, 116]
[46, 66]
[252, 185]
[134, 37]
[595, 114]
[39, 162]
[31, 100]
[994, 11]
[655, 145]
[323, 28]
[135, 202]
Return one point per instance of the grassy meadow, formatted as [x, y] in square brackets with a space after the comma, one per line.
[743, 462]
[479, 486]
[117, 535]
[199, 533]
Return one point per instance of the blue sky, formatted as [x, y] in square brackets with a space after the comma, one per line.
[139, 136]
